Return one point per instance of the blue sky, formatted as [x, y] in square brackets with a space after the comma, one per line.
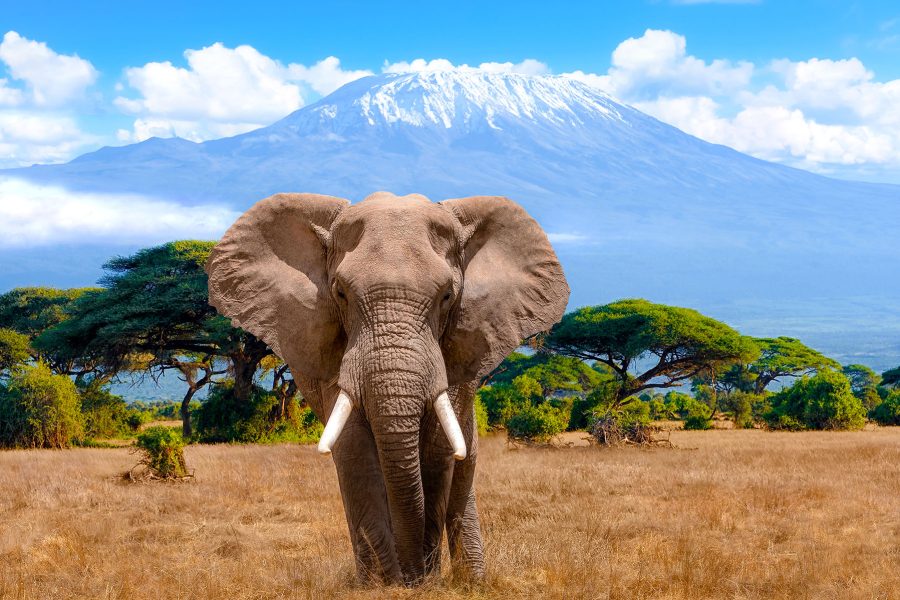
[811, 84]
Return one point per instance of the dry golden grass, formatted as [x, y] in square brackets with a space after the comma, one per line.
[730, 514]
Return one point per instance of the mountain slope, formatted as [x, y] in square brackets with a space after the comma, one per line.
[637, 207]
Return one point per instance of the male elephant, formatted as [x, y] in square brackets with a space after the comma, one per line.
[388, 313]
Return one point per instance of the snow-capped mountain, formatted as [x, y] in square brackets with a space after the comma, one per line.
[636, 207]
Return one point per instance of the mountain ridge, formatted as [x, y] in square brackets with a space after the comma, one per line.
[636, 207]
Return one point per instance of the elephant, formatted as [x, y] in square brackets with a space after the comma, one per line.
[389, 312]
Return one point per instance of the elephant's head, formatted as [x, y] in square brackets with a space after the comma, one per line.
[394, 299]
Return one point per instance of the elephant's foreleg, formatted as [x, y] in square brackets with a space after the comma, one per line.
[463, 526]
[362, 490]
[365, 504]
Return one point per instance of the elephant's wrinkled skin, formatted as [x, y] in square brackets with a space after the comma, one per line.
[393, 300]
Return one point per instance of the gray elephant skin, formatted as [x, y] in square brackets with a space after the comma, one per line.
[381, 308]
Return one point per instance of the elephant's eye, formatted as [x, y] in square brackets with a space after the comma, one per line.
[447, 296]
[339, 291]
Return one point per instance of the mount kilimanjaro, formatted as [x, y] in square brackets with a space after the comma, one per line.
[635, 207]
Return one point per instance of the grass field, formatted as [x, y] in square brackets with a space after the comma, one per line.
[730, 514]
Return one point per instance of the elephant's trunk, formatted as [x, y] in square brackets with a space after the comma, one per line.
[395, 369]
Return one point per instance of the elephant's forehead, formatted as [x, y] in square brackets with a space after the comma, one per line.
[387, 216]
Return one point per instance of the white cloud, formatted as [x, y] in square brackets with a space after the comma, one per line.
[223, 91]
[566, 238]
[529, 66]
[657, 62]
[325, 76]
[10, 96]
[815, 114]
[37, 215]
[52, 79]
[36, 124]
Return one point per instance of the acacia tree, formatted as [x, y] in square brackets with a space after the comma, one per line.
[891, 377]
[648, 345]
[864, 384]
[155, 302]
[196, 371]
[785, 357]
[14, 351]
[32, 310]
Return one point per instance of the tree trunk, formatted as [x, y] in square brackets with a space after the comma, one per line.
[186, 430]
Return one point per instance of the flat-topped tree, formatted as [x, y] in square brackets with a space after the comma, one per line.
[891, 377]
[648, 345]
[154, 304]
[32, 310]
[786, 357]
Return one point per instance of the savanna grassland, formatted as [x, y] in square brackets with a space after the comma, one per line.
[733, 514]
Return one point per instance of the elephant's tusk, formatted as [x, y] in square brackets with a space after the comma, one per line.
[447, 417]
[339, 415]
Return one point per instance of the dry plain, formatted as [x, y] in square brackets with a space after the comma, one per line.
[726, 514]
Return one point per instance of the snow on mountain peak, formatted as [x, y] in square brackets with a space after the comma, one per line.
[460, 98]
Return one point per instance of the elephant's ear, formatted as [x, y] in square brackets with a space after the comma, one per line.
[268, 274]
[513, 286]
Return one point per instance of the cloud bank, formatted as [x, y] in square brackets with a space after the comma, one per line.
[818, 114]
[823, 114]
[37, 215]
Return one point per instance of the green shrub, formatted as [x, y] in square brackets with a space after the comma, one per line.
[888, 412]
[784, 423]
[742, 406]
[14, 350]
[537, 423]
[658, 409]
[105, 414]
[223, 418]
[39, 410]
[163, 451]
[699, 418]
[481, 417]
[824, 401]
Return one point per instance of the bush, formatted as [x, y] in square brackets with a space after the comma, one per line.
[658, 409]
[481, 417]
[106, 415]
[784, 423]
[163, 452]
[39, 410]
[888, 412]
[743, 407]
[824, 401]
[537, 423]
[699, 418]
[223, 418]
[14, 350]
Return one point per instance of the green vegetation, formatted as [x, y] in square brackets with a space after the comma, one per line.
[824, 401]
[609, 364]
[223, 417]
[153, 314]
[39, 409]
[162, 451]
[648, 345]
[106, 415]
[888, 411]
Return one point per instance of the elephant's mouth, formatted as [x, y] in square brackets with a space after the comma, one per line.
[343, 406]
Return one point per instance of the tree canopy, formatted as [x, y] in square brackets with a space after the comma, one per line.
[14, 350]
[32, 310]
[153, 312]
[786, 357]
[891, 377]
[648, 345]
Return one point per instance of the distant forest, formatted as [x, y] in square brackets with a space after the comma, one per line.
[630, 362]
